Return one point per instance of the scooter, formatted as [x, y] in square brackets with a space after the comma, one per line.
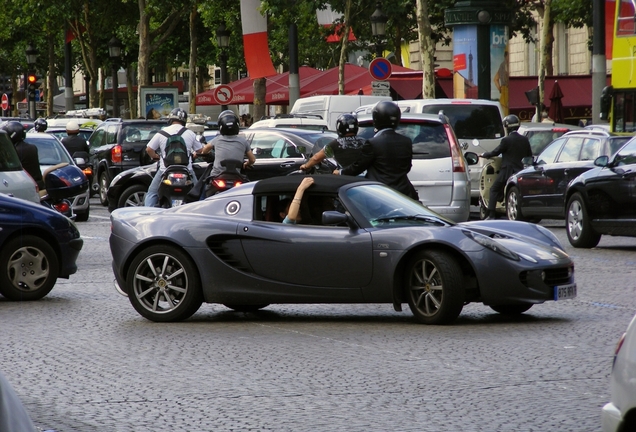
[227, 179]
[176, 182]
[487, 176]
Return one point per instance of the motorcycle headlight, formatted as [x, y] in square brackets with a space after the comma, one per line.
[491, 244]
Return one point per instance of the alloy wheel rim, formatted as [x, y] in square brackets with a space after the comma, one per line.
[136, 199]
[426, 288]
[575, 220]
[512, 206]
[160, 283]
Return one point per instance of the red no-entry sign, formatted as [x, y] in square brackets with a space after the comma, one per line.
[223, 94]
[5, 102]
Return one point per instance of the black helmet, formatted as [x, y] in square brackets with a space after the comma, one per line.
[347, 124]
[511, 123]
[40, 125]
[179, 115]
[15, 131]
[228, 123]
[386, 114]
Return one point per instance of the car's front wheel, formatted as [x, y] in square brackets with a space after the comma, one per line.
[577, 224]
[435, 291]
[133, 196]
[517, 309]
[103, 189]
[28, 268]
[163, 284]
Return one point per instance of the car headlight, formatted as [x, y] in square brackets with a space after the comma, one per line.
[491, 244]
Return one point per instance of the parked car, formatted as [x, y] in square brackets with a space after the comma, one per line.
[538, 191]
[542, 134]
[619, 414]
[439, 172]
[478, 123]
[117, 145]
[360, 242]
[52, 152]
[603, 199]
[278, 151]
[304, 121]
[37, 246]
[14, 180]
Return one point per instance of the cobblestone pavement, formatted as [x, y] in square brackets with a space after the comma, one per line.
[83, 360]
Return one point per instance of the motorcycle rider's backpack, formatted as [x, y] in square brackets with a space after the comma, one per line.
[176, 149]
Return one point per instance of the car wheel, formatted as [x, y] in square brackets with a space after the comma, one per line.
[28, 268]
[577, 224]
[133, 196]
[513, 205]
[245, 308]
[103, 188]
[483, 209]
[83, 216]
[163, 284]
[435, 291]
[511, 309]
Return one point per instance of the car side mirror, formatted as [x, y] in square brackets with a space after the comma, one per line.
[257, 151]
[301, 149]
[471, 158]
[601, 161]
[79, 161]
[336, 218]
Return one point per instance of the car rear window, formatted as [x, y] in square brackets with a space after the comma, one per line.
[430, 140]
[470, 120]
[139, 132]
[9, 160]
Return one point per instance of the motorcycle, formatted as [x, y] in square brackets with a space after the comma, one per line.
[176, 182]
[228, 179]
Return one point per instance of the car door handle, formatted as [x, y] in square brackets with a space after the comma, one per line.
[566, 171]
[287, 164]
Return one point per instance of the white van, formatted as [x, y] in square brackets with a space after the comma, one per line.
[330, 107]
[478, 125]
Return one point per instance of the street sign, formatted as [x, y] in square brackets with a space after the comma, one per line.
[223, 94]
[380, 69]
[380, 88]
[5, 102]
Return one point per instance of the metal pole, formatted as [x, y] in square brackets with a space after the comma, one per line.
[223, 59]
[68, 77]
[115, 91]
[294, 78]
[599, 65]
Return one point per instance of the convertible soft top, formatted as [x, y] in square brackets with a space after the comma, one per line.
[322, 183]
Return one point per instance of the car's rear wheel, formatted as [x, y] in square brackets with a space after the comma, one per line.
[434, 288]
[513, 205]
[511, 309]
[133, 196]
[163, 284]
[103, 188]
[29, 268]
[577, 224]
[245, 308]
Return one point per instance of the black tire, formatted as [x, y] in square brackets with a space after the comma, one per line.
[29, 268]
[434, 287]
[513, 205]
[511, 309]
[483, 209]
[577, 224]
[103, 188]
[133, 196]
[245, 308]
[170, 290]
[83, 216]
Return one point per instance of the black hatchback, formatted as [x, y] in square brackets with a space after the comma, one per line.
[538, 191]
[118, 145]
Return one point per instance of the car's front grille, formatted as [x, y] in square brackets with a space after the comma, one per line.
[558, 276]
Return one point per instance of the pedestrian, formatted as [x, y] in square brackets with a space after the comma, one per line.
[346, 149]
[27, 153]
[73, 141]
[156, 149]
[513, 148]
[387, 156]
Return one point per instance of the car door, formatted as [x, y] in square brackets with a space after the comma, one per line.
[275, 154]
[533, 183]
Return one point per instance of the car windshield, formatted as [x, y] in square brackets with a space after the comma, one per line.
[50, 150]
[382, 207]
[430, 140]
[9, 160]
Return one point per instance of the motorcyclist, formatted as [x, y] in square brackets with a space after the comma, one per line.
[228, 144]
[387, 156]
[346, 149]
[28, 153]
[157, 146]
[73, 141]
[40, 125]
[513, 148]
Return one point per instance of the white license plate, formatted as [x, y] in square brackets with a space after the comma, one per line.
[176, 202]
[564, 292]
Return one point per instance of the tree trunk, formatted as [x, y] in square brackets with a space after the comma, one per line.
[343, 50]
[259, 98]
[427, 49]
[192, 69]
[544, 49]
[549, 46]
[143, 70]
[132, 106]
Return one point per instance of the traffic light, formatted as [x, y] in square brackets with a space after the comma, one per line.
[32, 81]
[5, 84]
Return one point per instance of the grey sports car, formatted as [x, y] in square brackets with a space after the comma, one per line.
[359, 242]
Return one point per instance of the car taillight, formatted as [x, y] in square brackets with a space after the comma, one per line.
[62, 207]
[115, 154]
[459, 165]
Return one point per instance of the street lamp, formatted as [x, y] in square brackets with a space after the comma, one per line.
[378, 27]
[114, 51]
[31, 57]
[223, 41]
